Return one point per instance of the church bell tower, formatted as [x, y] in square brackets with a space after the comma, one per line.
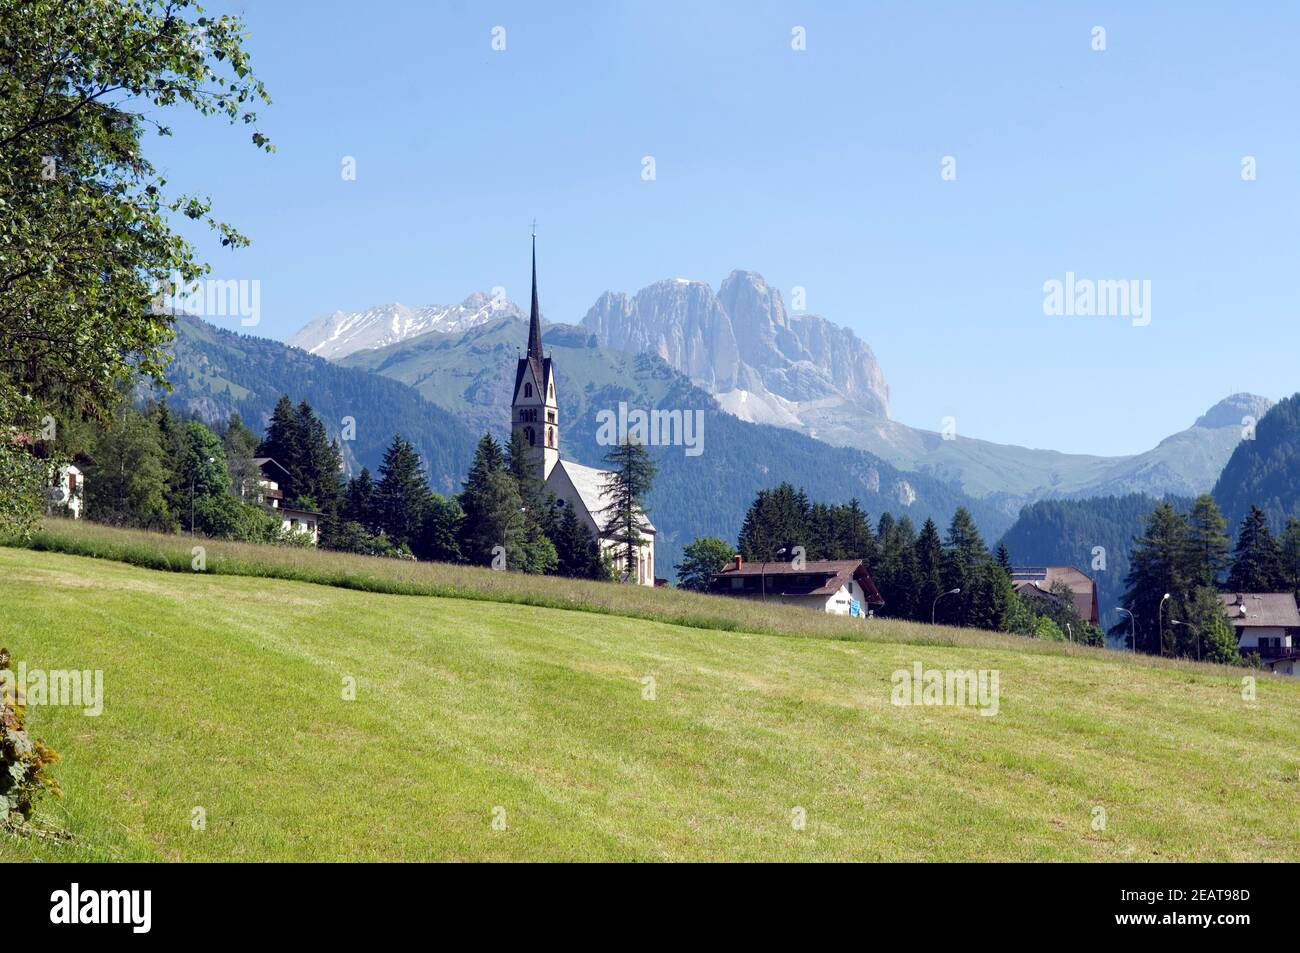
[534, 409]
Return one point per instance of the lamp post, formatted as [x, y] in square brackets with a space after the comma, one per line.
[762, 571]
[933, 605]
[1132, 633]
[1196, 633]
[1160, 625]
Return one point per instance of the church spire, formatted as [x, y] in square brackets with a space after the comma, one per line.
[535, 318]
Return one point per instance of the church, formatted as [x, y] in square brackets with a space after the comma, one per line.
[536, 411]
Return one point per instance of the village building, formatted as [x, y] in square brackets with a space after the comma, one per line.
[834, 586]
[535, 410]
[1039, 582]
[270, 496]
[1267, 624]
[69, 490]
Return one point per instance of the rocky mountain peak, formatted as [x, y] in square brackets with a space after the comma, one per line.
[1231, 411]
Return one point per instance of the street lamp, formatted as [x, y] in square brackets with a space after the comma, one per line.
[1132, 633]
[1160, 625]
[1196, 633]
[950, 592]
[762, 571]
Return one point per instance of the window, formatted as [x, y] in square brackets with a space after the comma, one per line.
[737, 582]
[528, 390]
[532, 437]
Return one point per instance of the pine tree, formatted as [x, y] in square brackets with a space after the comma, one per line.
[576, 550]
[1157, 566]
[965, 554]
[402, 493]
[854, 535]
[929, 565]
[1257, 560]
[493, 511]
[629, 481]
[539, 551]
[282, 443]
[359, 502]
[321, 465]
[1207, 543]
[888, 568]
[907, 575]
[1290, 543]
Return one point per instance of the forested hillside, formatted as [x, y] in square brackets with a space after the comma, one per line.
[1265, 471]
[471, 373]
[217, 371]
[1066, 532]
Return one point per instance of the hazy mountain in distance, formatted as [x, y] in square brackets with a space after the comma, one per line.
[741, 342]
[337, 335]
[470, 373]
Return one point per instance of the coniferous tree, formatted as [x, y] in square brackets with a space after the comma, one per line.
[630, 478]
[539, 512]
[1207, 543]
[965, 554]
[493, 511]
[888, 568]
[402, 494]
[1257, 560]
[907, 575]
[1157, 566]
[577, 552]
[282, 444]
[1290, 544]
[930, 565]
[855, 538]
[320, 462]
[359, 502]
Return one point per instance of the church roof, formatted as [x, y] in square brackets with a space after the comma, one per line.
[590, 484]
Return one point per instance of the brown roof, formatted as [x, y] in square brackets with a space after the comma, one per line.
[1040, 579]
[1251, 609]
[817, 577]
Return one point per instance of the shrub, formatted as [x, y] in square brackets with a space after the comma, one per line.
[24, 761]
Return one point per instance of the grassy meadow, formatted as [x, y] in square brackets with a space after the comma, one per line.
[594, 735]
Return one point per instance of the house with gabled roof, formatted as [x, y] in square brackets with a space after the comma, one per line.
[1267, 624]
[835, 586]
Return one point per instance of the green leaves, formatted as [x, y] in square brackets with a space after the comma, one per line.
[85, 235]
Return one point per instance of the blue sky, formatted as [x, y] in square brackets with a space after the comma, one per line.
[817, 168]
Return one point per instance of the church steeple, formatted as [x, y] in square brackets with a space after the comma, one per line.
[535, 410]
[535, 318]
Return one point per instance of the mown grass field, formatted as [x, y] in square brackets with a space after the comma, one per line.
[226, 693]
